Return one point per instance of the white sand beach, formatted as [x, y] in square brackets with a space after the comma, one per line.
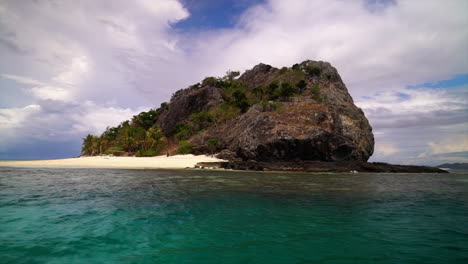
[158, 162]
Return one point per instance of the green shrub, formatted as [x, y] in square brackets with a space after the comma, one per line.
[110, 134]
[165, 105]
[301, 84]
[195, 86]
[212, 144]
[201, 121]
[315, 91]
[111, 149]
[145, 119]
[201, 118]
[272, 90]
[209, 81]
[286, 90]
[147, 153]
[296, 67]
[240, 101]
[231, 75]
[313, 70]
[276, 106]
[224, 112]
[182, 131]
[318, 98]
[259, 92]
[272, 87]
[239, 96]
[283, 70]
[185, 147]
[115, 148]
[243, 106]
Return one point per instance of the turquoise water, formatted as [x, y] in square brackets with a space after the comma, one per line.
[130, 216]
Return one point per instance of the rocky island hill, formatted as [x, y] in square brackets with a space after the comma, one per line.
[298, 118]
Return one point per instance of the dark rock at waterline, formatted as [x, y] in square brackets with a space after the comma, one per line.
[321, 166]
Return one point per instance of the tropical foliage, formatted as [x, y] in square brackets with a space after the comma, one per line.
[140, 136]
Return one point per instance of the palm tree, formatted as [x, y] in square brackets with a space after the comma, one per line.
[154, 138]
[86, 149]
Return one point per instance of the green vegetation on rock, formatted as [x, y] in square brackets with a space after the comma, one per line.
[315, 91]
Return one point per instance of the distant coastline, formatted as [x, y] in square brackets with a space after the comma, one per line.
[454, 166]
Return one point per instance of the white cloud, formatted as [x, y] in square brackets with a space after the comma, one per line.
[119, 45]
[58, 123]
[171, 10]
[415, 107]
[94, 118]
[50, 92]
[11, 121]
[14, 117]
[74, 72]
[62, 86]
[413, 120]
[122, 56]
[386, 149]
[457, 143]
[21, 79]
[69, 56]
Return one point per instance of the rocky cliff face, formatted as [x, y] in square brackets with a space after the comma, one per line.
[319, 121]
[186, 102]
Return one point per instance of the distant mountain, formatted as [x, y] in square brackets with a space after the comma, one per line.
[454, 166]
[461, 154]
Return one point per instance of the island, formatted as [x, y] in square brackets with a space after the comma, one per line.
[298, 118]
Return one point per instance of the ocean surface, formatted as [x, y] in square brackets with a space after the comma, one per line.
[55, 215]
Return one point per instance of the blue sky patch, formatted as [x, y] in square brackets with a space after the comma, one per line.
[376, 6]
[455, 81]
[403, 96]
[213, 14]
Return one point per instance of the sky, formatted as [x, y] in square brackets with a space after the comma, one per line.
[69, 68]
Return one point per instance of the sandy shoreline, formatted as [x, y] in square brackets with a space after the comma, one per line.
[158, 162]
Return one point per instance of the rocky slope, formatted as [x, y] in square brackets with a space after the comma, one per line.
[186, 102]
[319, 121]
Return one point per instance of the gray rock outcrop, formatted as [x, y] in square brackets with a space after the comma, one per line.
[325, 126]
[186, 102]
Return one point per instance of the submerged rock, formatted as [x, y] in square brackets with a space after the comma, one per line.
[321, 166]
